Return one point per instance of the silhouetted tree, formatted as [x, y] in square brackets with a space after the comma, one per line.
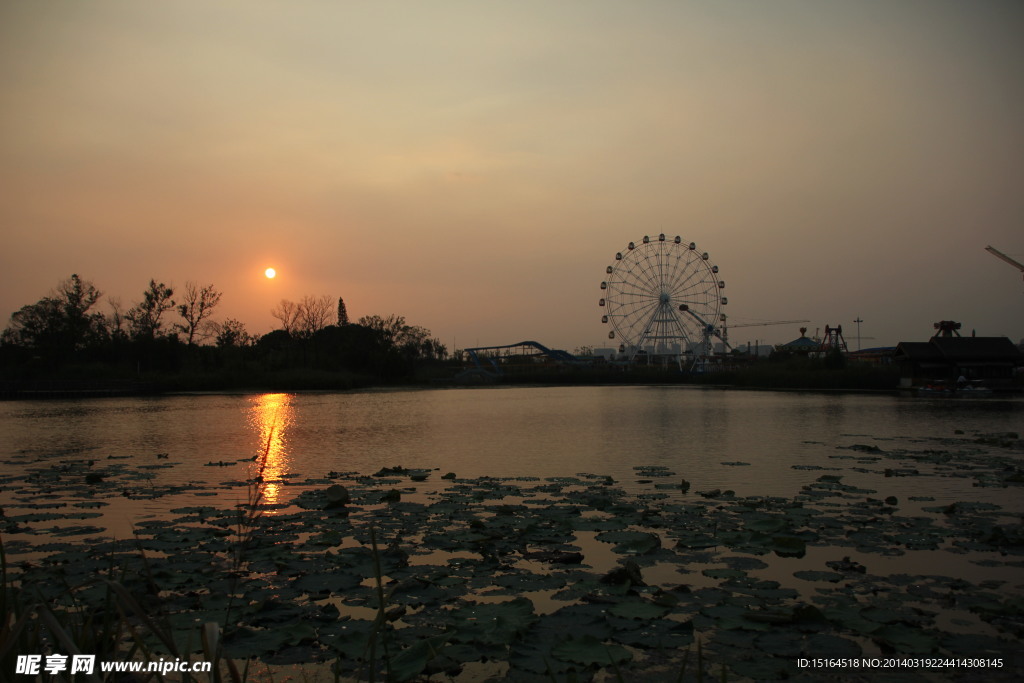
[305, 318]
[116, 320]
[433, 349]
[35, 326]
[287, 313]
[76, 298]
[411, 341]
[61, 323]
[197, 307]
[352, 347]
[313, 314]
[388, 328]
[145, 319]
[276, 350]
[342, 313]
[233, 333]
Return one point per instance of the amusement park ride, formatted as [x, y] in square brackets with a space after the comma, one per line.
[663, 301]
[833, 340]
[662, 296]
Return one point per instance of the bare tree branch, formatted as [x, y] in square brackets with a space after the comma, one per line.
[197, 306]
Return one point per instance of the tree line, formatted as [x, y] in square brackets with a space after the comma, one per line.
[170, 330]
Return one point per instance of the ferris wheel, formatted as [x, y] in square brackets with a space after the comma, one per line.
[663, 298]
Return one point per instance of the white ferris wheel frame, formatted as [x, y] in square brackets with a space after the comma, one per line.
[664, 295]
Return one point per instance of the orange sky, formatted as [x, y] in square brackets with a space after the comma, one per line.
[474, 167]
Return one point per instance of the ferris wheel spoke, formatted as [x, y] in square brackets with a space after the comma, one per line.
[640, 310]
[695, 292]
[645, 278]
[689, 277]
[695, 287]
[630, 306]
[632, 288]
[679, 270]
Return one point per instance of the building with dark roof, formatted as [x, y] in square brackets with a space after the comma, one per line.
[989, 360]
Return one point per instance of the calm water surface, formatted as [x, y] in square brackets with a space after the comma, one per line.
[161, 454]
[755, 443]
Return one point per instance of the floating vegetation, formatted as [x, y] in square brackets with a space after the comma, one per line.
[396, 575]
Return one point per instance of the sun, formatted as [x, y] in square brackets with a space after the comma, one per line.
[270, 273]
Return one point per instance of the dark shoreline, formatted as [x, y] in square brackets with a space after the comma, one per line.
[764, 377]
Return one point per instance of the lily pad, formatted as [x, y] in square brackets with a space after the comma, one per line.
[905, 639]
[638, 609]
[788, 546]
[811, 575]
[589, 651]
[631, 542]
[493, 623]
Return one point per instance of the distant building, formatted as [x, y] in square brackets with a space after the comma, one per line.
[991, 360]
[757, 350]
[877, 355]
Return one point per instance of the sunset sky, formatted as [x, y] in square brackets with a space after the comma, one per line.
[474, 166]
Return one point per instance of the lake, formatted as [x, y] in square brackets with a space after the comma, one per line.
[930, 465]
[504, 432]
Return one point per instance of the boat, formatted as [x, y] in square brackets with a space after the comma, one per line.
[973, 389]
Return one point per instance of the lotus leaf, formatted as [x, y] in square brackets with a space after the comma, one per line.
[349, 637]
[598, 524]
[697, 541]
[528, 582]
[850, 617]
[492, 623]
[588, 651]
[75, 530]
[721, 573]
[764, 668]
[746, 563]
[631, 542]
[828, 645]
[724, 610]
[810, 575]
[411, 661]
[244, 643]
[781, 643]
[740, 622]
[788, 546]
[417, 592]
[906, 639]
[580, 620]
[638, 609]
[334, 582]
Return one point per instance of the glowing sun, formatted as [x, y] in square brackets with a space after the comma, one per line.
[270, 273]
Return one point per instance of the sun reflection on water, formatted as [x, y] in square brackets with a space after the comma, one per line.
[270, 416]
